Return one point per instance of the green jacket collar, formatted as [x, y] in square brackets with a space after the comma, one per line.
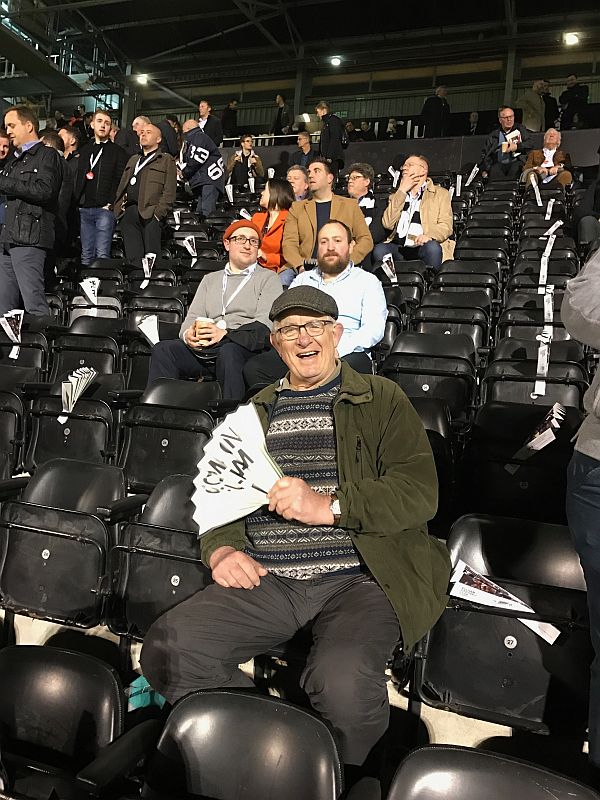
[354, 389]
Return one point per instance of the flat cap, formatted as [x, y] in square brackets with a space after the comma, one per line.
[305, 298]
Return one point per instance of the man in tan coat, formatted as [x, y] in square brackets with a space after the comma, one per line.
[419, 216]
[307, 217]
[532, 104]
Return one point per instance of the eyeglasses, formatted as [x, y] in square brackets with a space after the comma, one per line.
[315, 327]
[252, 240]
[355, 177]
[508, 116]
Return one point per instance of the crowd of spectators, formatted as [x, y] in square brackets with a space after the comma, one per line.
[297, 302]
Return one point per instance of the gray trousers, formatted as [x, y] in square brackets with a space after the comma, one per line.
[200, 643]
[22, 275]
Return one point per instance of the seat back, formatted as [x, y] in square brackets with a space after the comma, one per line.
[157, 562]
[278, 750]
[160, 441]
[54, 547]
[447, 772]
[58, 702]
[496, 477]
[515, 676]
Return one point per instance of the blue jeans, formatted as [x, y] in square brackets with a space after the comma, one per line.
[430, 252]
[206, 199]
[97, 226]
[583, 514]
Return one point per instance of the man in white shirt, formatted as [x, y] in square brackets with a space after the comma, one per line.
[551, 164]
[358, 295]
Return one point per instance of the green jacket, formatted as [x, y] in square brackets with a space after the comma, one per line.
[387, 492]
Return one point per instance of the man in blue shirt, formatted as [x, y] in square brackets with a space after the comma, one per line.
[359, 297]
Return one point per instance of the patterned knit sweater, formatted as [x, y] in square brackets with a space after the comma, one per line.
[301, 439]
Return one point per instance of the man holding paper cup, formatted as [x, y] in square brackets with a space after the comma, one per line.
[227, 321]
[506, 148]
[340, 544]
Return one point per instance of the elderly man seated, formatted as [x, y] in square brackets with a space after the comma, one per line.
[419, 216]
[550, 164]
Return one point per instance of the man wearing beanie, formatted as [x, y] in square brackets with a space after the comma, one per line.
[340, 545]
[228, 320]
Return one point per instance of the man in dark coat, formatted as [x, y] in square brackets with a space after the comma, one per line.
[31, 183]
[333, 136]
[436, 114]
[506, 148]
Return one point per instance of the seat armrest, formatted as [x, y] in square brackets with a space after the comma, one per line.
[122, 509]
[118, 759]
[124, 396]
[12, 487]
[33, 390]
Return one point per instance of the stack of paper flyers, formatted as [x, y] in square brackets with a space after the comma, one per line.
[147, 264]
[235, 473]
[73, 388]
[472, 586]
[89, 287]
[388, 266]
[541, 437]
[11, 323]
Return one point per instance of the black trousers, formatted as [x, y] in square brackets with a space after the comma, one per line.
[172, 358]
[268, 367]
[200, 643]
[140, 236]
[501, 172]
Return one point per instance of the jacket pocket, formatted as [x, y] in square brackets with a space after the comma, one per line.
[27, 229]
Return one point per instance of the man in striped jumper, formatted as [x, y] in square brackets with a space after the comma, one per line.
[340, 545]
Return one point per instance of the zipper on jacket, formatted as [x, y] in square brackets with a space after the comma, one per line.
[359, 457]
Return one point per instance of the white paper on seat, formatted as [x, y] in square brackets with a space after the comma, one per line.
[549, 208]
[536, 189]
[73, 388]
[542, 436]
[149, 327]
[458, 184]
[11, 323]
[89, 287]
[190, 245]
[147, 264]
[472, 175]
[476, 588]
[245, 214]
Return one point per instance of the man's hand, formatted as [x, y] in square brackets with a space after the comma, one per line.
[422, 239]
[208, 333]
[553, 171]
[233, 569]
[292, 498]
[409, 181]
[190, 338]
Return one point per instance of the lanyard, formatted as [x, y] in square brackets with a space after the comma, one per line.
[141, 164]
[94, 159]
[224, 304]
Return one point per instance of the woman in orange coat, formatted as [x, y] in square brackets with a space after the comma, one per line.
[276, 198]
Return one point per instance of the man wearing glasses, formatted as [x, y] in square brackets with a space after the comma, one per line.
[341, 544]
[506, 148]
[227, 321]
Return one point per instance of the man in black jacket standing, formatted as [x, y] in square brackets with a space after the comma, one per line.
[101, 164]
[31, 183]
[436, 114]
[209, 124]
[333, 136]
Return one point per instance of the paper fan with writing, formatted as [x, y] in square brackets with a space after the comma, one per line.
[235, 473]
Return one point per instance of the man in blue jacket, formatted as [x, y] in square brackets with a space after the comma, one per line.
[31, 182]
[203, 167]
